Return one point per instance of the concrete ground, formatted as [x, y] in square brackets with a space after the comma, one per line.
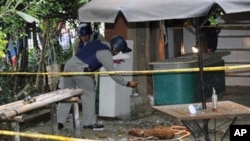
[116, 129]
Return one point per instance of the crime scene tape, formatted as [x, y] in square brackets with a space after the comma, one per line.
[141, 72]
[40, 136]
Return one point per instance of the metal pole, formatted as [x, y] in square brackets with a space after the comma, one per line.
[200, 62]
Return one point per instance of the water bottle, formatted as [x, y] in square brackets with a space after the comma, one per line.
[214, 100]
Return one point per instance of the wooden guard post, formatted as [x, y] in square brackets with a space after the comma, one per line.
[12, 112]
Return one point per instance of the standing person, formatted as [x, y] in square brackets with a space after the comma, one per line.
[85, 34]
[65, 36]
[92, 57]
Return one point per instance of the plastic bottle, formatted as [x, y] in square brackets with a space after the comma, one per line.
[214, 100]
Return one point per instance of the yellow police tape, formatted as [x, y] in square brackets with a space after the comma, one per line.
[40, 136]
[141, 72]
[55, 137]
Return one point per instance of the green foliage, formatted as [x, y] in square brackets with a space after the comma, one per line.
[213, 18]
[213, 21]
[54, 10]
[13, 23]
[3, 43]
[63, 56]
[33, 60]
[56, 55]
[6, 83]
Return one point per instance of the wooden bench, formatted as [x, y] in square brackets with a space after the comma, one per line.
[12, 112]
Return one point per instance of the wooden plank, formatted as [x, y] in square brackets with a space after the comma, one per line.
[72, 100]
[56, 96]
[18, 119]
[40, 97]
[226, 109]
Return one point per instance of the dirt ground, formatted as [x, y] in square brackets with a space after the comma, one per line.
[117, 129]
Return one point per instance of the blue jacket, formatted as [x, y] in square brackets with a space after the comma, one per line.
[88, 54]
[95, 36]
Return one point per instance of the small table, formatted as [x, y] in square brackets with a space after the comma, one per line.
[226, 109]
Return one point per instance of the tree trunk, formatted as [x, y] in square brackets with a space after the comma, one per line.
[39, 78]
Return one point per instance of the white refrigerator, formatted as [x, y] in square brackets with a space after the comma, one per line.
[114, 99]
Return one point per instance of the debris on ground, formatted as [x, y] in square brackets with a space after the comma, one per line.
[157, 132]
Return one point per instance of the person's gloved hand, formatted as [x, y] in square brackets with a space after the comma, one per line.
[132, 84]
